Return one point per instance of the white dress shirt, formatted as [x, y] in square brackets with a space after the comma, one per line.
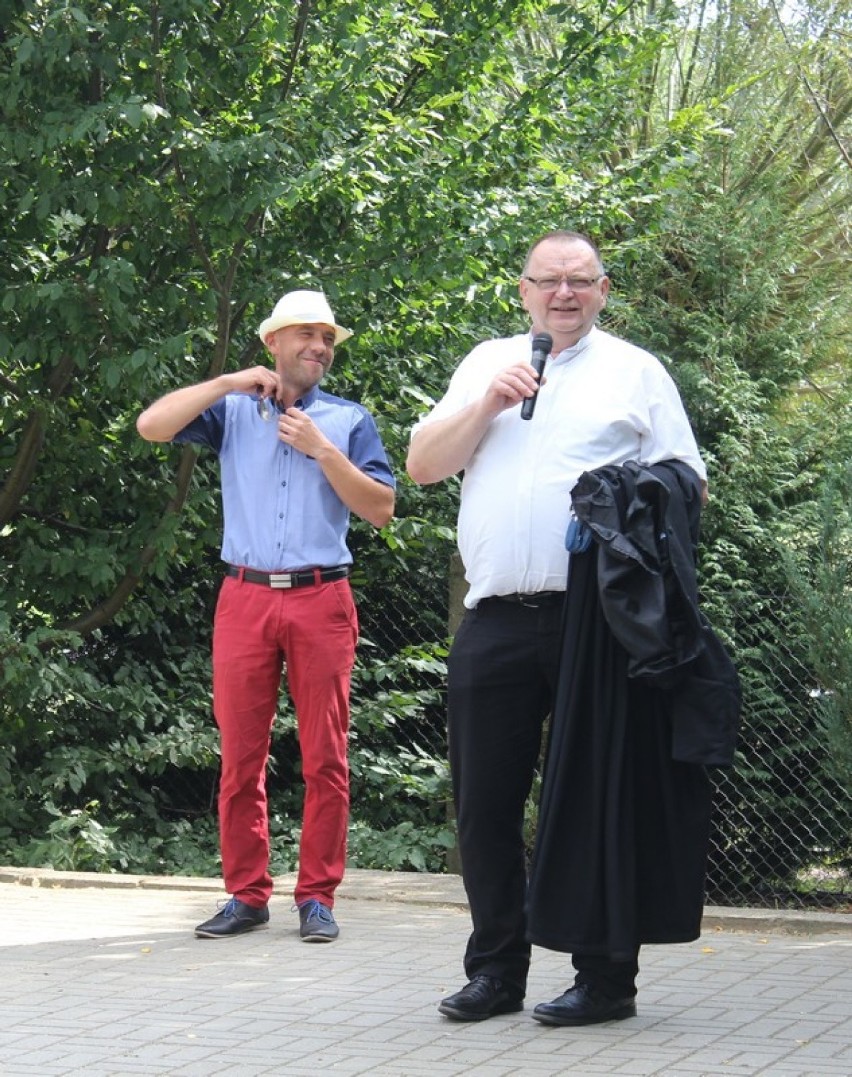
[605, 402]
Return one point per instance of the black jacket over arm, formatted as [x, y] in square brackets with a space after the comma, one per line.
[647, 696]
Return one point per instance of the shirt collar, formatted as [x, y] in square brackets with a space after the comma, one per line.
[308, 398]
[570, 353]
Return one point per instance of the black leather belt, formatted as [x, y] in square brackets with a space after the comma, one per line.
[534, 598]
[285, 580]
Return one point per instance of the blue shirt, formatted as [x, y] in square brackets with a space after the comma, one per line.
[280, 512]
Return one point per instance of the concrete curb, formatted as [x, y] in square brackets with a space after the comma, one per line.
[418, 888]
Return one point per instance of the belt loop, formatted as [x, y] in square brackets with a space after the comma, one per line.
[317, 576]
[240, 574]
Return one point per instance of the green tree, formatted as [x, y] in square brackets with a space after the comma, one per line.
[170, 170]
[746, 289]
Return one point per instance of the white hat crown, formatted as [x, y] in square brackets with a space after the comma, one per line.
[302, 308]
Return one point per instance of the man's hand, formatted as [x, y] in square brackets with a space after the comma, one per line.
[172, 412]
[257, 379]
[444, 448]
[510, 387]
[299, 430]
[365, 496]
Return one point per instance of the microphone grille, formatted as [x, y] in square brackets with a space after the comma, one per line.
[542, 342]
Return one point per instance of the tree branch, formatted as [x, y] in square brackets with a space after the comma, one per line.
[26, 458]
[826, 119]
[298, 37]
[104, 611]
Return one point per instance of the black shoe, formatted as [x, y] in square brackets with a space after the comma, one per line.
[582, 1005]
[233, 918]
[316, 922]
[483, 997]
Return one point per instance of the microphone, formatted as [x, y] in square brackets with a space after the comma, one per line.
[541, 345]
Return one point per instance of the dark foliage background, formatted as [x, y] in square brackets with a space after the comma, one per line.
[170, 169]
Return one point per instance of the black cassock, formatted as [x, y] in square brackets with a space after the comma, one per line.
[623, 829]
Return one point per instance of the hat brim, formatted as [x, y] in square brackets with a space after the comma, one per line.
[271, 324]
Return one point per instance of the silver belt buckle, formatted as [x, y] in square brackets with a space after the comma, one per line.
[281, 580]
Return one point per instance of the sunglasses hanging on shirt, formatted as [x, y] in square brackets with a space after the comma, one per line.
[268, 408]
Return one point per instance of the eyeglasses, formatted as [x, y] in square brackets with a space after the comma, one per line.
[576, 284]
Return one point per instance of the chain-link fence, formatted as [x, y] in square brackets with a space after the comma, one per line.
[783, 824]
[781, 835]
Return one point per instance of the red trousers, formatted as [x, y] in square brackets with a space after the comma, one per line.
[257, 629]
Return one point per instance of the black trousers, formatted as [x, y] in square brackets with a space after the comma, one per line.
[502, 672]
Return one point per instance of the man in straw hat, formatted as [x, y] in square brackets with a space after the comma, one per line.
[295, 462]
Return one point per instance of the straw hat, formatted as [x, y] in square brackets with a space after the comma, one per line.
[302, 308]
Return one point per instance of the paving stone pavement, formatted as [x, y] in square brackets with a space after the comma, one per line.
[101, 975]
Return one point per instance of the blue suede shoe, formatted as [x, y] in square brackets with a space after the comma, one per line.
[234, 918]
[316, 922]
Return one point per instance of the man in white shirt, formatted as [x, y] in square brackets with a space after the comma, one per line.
[602, 401]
